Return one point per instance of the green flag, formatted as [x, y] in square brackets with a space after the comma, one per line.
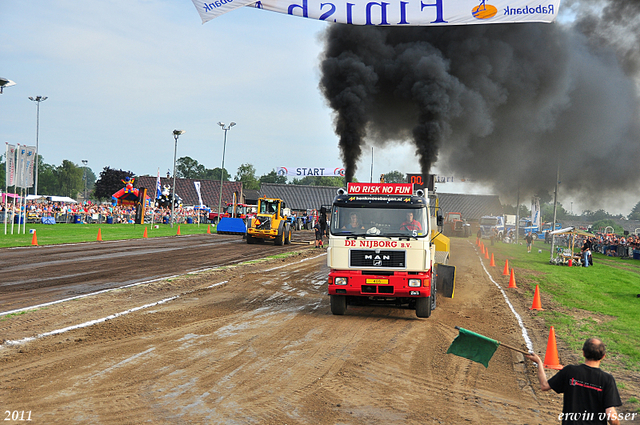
[473, 346]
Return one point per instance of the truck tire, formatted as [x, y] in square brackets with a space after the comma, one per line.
[287, 235]
[251, 240]
[280, 238]
[534, 236]
[423, 307]
[338, 304]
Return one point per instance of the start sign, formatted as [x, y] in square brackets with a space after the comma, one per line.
[380, 189]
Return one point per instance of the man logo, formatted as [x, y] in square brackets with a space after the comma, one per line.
[484, 11]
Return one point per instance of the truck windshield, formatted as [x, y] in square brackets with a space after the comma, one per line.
[268, 207]
[488, 221]
[408, 222]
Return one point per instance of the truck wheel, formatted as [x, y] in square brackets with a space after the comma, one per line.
[534, 236]
[338, 304]
[251, 240]
[423, 307]
[280, 238]
[287, 236]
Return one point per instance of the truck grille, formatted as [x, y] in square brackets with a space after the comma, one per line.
[377, 259]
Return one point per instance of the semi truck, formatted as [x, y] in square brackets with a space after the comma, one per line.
[381, 249]
[496, 226]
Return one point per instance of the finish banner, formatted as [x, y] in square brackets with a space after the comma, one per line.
[397, 12]
[311, 171]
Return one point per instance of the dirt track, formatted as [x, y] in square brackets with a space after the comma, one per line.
[257, 343]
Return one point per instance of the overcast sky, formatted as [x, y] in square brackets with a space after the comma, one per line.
[121, 75]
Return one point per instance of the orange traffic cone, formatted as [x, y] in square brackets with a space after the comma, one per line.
[486, 254]
[34, 239]
[492, 263]
[209, 229]
[505, 272]
[551, 360]
[144, 235]
[99, 238]
[178, 234]
[537, 305]
[512, 280]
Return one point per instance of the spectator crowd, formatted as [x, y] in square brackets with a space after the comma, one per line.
[88, 212]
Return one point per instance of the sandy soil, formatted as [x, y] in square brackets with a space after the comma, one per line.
[257, 344]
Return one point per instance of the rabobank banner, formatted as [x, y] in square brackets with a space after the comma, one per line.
[398, 12]
[310, 171]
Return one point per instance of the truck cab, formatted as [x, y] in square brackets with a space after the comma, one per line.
[492, 226]
[380, 250]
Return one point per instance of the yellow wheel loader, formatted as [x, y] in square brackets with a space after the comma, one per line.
[271, 222]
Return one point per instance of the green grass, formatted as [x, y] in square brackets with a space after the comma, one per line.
[591, 301]
[74, 233]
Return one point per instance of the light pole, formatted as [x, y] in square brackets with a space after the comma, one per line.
[37, 99]
[84, 163]
[176, 134]
[224, 148]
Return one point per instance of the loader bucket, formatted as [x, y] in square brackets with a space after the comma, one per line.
[231, 226]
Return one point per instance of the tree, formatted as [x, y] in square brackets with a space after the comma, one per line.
[334, 181]
[547, 212]
[635, 213]
[215, 174]
[110, 182]
[273, 177]
[600, 225]
[69, 177]
[189, 168]
[395, 177]
[247, 175]
[511, 209]
[596, 215]
[48, 180]
[3, 169]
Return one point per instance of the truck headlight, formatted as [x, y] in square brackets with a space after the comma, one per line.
[414, 282]
[340, 281]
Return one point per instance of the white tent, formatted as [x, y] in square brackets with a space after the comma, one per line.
[61, 199]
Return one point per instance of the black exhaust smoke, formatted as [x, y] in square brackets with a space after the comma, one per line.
[500, 104]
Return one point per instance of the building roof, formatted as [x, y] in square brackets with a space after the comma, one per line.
[299, 197]
[472, 207]
[185, 188]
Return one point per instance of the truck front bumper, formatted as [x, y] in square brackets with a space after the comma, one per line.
[397, 284]
[264, 234]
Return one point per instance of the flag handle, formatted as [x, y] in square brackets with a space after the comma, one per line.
[513, 348]
[505, 345]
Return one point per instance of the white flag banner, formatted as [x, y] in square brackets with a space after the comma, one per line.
[212, 9]
[197, 185]
[535, 212]
[399, 12]
[21, 152]
[10, 165]
[29, 164]
[310, 171]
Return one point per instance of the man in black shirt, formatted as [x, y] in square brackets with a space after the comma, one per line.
[590, 395]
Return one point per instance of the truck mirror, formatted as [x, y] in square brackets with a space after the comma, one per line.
[440, 220]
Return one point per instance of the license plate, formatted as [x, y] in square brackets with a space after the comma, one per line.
[377, 281]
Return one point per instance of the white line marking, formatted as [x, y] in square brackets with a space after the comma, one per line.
[525, 334]
[89, 323]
